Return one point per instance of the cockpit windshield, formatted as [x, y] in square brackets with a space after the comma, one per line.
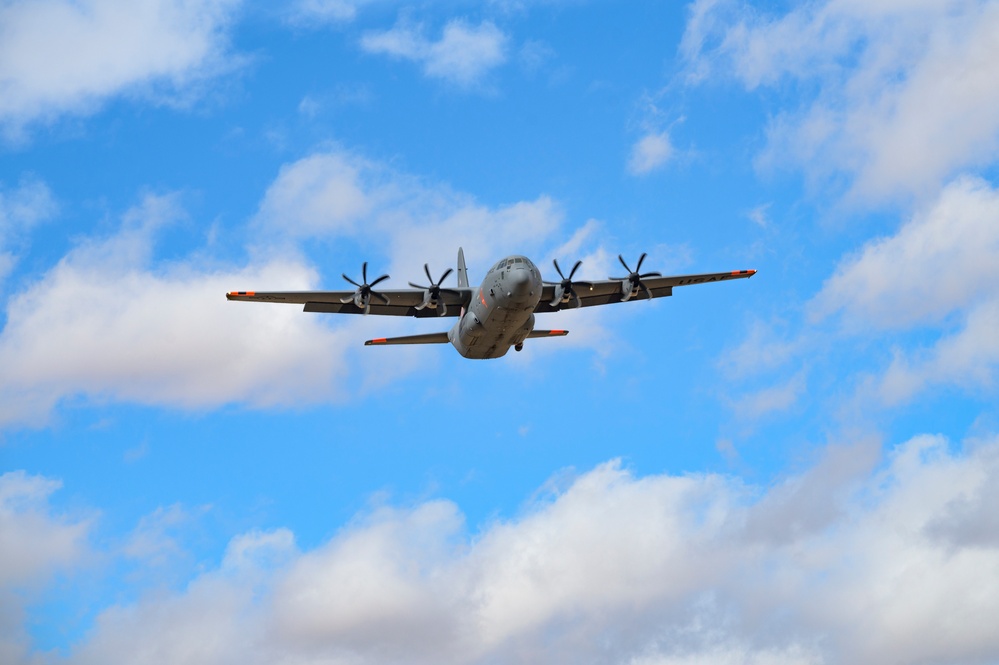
[514, 262]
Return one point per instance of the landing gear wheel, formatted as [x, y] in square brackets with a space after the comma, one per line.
[519, 347]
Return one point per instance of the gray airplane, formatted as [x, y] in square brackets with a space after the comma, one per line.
[496, 315]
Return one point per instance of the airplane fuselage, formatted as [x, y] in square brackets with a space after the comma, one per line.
[501, 313]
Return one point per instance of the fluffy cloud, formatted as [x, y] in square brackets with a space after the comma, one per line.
[967, 358]
[34, 543]
[905, 92]
[945, 259]
[319, 195]
[32, 540]
[652, 151]
[859, 559]
[106, 323]
[463, 55]
[61, 56]
[940, 268]
[337, 194]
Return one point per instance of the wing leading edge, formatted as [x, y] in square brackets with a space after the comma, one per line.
[610, 291]
[401, 302]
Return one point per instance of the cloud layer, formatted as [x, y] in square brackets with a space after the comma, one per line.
[939, 271]
[58, 56]
[107, 323]
[854, 560]
[904, 93]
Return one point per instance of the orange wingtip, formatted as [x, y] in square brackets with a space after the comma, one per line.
[242, 293]
[380, 340]
[558, 332]
[747, 273]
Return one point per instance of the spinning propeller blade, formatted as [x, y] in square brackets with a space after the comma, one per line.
[362, 296]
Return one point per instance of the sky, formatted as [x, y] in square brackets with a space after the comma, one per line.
[801, 467]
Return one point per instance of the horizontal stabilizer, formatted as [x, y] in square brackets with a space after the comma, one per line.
[432, 338]
[548, 333]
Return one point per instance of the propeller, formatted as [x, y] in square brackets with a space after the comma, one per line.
[565, 290]
[432, 294]
[633, 282]
[362, 296]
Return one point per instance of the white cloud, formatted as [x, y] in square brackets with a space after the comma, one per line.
[940, 268]
[650, 152]
[967, 358]
[32, 540]
[463, 55]
[318, 195]
[21, 209]
[258, 550]
[945, 259]
[336, 194]
[905, 94]
[34, 544]
[858, 559]
[62, 56]
[106, 324]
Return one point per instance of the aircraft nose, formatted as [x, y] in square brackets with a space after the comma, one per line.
[519, 282]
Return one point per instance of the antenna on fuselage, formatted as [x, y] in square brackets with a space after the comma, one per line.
[462, 270]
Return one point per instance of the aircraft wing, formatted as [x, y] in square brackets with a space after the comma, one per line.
[401, 302]
[609, 291]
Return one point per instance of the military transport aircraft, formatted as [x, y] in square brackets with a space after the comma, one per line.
[496, 315]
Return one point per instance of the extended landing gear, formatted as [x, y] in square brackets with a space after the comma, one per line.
[519, 347]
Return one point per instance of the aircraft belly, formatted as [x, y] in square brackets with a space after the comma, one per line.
[499, 329]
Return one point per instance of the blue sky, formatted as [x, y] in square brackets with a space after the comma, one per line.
[800, 467]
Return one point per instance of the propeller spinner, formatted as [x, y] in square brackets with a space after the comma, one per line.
[631, 284]
[432, 294]
[365, 291]
[565, 290]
